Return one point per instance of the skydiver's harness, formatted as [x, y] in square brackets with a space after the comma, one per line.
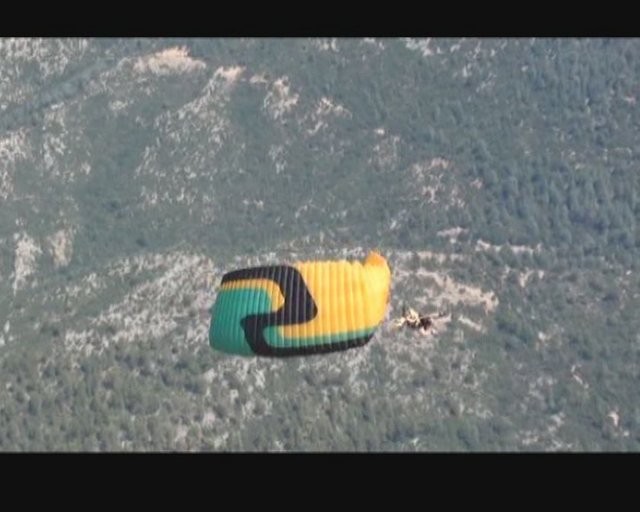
[413, 320]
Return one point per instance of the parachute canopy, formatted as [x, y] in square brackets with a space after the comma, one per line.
[305, 308]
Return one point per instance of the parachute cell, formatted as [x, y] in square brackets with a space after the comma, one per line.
[305, 308]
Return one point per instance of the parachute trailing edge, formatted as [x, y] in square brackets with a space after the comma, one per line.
[306, 308]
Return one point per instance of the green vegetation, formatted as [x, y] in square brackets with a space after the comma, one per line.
[530, 146]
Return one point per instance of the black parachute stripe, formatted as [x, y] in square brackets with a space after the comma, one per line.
[324, 348]
[299, 307]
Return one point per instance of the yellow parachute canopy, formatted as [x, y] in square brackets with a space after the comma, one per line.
[305, 308]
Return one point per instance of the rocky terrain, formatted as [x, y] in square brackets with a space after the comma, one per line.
[497, 176]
